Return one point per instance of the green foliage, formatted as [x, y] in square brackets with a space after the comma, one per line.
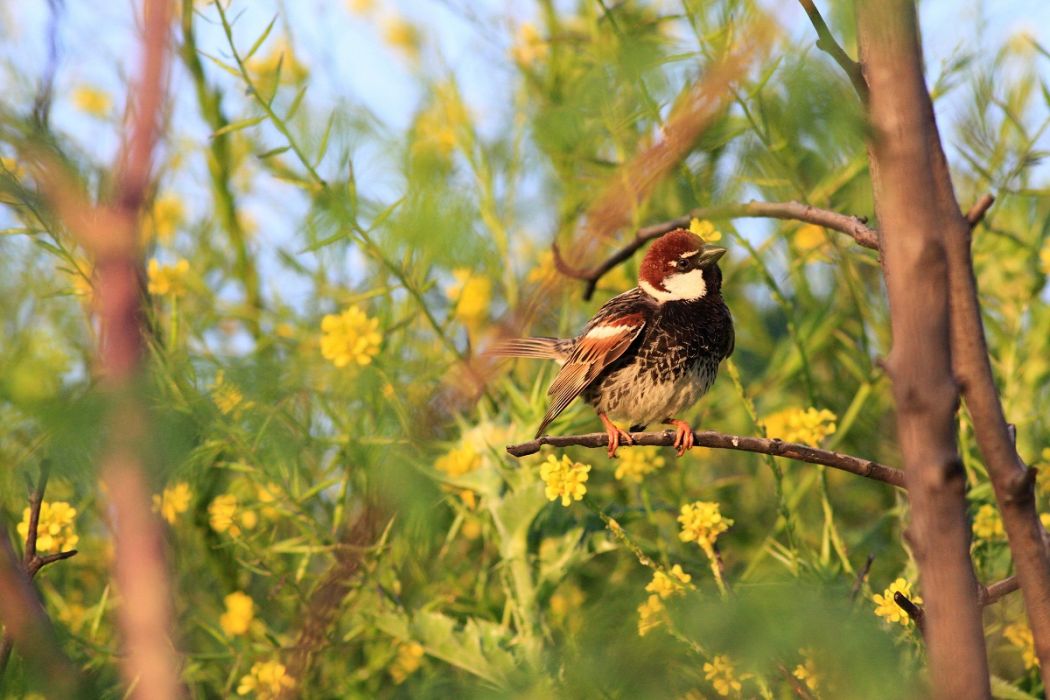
[464, 579]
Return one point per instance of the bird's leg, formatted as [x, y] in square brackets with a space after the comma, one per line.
[615, 434]
[683, 435]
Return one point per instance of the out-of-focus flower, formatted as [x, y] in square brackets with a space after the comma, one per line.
[408, 659]
[267, 680]
[807, 426]
[56, 530]
[564, 479]
[636, 462]
[240, 611]
[172, 501]
[721, 673]
[665, 585]
[705, 229]
[529, 46]
[1020, 636]
[167, 279]
[350, 337]
[92, 100]
[164, 218]
[471, 295]
[225, 515]
[886, 607]
[458, 461]
[702, 522]
[987, 524]
[651, 614]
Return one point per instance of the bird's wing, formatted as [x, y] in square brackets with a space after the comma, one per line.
[603, 341]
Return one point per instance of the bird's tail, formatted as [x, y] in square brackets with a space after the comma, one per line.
[555, 349]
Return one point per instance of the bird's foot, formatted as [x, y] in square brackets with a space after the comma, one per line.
[683, 435]
[616, 435]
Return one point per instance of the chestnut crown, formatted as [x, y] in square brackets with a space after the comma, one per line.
[679, 266]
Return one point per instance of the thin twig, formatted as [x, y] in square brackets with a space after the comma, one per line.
[826, 43]
[709, 438]
[854, 226]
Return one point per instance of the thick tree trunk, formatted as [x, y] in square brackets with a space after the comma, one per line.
[916, 270]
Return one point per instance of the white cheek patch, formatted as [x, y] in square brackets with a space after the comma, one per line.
[684, 287]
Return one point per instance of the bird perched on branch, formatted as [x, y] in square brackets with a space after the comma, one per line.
[649, 353]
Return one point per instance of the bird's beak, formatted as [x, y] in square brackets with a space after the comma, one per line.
[709, 256]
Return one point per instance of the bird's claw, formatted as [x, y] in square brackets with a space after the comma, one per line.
[683, 436]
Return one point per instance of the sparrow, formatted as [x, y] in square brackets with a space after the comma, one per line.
[649, 353]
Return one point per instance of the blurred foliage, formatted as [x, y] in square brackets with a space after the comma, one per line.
[285, 445]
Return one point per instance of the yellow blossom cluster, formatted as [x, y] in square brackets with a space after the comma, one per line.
[172, 501]
[637, 462]
[471, 294]
[668, 584]
[1020, 636]
[350, 337]
[702, 522]
[807, 426]
[564, 479]
[408, 659]
[166, 280]
[226, 395]
[240, 610]
[886, 607]
[705, 229]
[721, 673]
[92, 100]
[225, 515]
[56, 529]
[267, 680]
[987, 524]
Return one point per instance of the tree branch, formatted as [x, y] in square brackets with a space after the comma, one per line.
[709, 438]
[826, 43]
[853, 226]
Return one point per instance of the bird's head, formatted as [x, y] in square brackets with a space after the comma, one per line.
[679, 266]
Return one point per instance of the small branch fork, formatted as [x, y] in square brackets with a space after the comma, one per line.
[709, 438]
[23, 616]
[854, 226]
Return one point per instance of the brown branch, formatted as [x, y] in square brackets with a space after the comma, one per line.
[826, 43]
[853, 226]
[915, 267]
[722, 441]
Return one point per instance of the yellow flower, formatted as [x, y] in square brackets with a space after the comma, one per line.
[350, 337]
[240, 610]
[987, 524]
[666, 586]
[56, 529]
[227, 397]
[887, 608]
[1020, 636]
[1044, 258]
[471, 295]
[267, 680]
[807, 671]
[172, 501]
[636, 462]
[702, 522]
[458, 461]
[565, 479]
[705, 229]
[402, 35]
[529, 47]
[409, 657]
[651, 614]
[167, 279]
[92, 100]
[808, 426]
[722, 675]
[225, 516]
[164, 219]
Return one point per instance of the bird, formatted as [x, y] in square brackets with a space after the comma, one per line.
[648, 353]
